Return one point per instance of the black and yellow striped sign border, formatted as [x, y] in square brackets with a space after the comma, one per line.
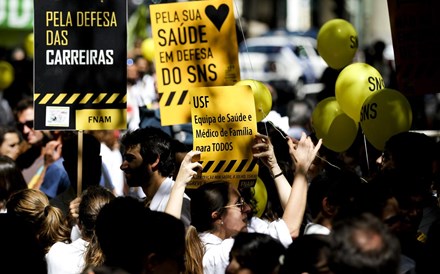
[80, 98]
[228, 166]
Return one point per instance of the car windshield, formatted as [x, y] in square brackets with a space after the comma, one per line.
[263, 49]
[300, 51]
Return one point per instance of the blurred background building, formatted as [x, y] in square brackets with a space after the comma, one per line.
[370, 18]
[254, 18]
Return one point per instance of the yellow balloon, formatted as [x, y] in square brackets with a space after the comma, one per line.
[384, 114]
[337, 43]
[29, 45]
[260, 195]
[147, 49]
[7, 75]
[354, 84]
[337, 130]
[262, 97]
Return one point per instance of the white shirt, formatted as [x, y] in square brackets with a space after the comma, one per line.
[216, 257]
[312, 228]
[277, 229]
[113, 160]
[65, 258]
[160, 200]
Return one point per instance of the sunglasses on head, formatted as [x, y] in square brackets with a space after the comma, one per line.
[29, 124]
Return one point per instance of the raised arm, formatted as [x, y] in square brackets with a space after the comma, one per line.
[303, 155]
[188, 169]
[263, 150]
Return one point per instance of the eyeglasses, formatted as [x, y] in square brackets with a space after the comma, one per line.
[29, 124]
[241, 204]
[385, 157]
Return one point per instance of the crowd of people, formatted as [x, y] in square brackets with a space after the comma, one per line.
[125, 207]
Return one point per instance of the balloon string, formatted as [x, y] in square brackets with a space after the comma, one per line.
[273, 125]
[322, 159]
[366, 153]
[244, 38]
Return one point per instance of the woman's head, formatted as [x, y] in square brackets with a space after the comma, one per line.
[218, 207]
[11, 180]
[10, 139]
[93, 199]
[33, 206]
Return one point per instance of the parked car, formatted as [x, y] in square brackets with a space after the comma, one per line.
[307, 41]
[309, 50]
[287, 63]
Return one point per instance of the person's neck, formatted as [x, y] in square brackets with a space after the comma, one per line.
[153, 185]
[324, 221]
[219, 232]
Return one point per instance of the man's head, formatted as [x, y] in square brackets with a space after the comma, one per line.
[363, 244]
[24, 115]
[146, 151]
[409, 151]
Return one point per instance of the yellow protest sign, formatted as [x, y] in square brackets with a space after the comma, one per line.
[195, 46]
[224, 133]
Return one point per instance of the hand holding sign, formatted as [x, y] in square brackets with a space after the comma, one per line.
[189, 168]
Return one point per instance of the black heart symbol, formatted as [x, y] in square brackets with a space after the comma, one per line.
[217, 16]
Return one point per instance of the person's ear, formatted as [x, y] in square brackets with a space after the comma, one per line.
[155, 164]
[327, 208]
[215, 216]
[150, 263]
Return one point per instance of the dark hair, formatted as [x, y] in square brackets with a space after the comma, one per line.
[5, 130]
[120, 227]
[412, 152]
[153, 143]
[166, 238]
[206, 199]
[22, 105]
[11, 179]
[307, 254]
[258, 252]
[338, 187]
[363, 244]
[128, 232]
[18, 243]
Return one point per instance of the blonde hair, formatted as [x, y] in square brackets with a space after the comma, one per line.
[92, 200]
[94, 256]
[49, 223]
[194, 252]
